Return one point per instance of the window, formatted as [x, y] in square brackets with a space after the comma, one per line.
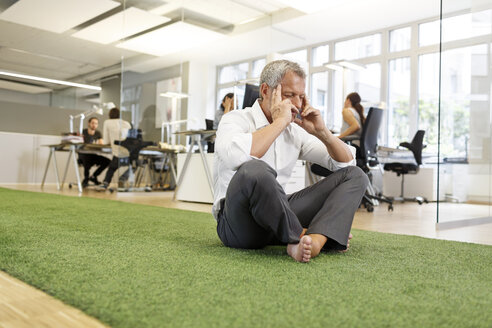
[400, 39]
[428, 98]
[366, 46]
[299, 56]
[456, 28]
[233, 73]
[239, 95]
[258, 67]
[366, 82]
[319, 94]
[320, 55]
[398, 101]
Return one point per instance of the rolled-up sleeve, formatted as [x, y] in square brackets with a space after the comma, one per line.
[313, 150]
[233, 141]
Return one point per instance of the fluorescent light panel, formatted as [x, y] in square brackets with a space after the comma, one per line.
[170, 94]
[121, 25]
[43, 79]
[55, 15]
[351, 65]
[170, 39]
[310, 6]
[225, 11]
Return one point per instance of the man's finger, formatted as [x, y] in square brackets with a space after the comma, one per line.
[278, 94]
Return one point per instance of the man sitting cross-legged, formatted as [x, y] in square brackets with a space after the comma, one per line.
[255, 152]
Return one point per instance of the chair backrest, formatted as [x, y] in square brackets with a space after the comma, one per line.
[209, 124]
[370, 132]
[416, 145]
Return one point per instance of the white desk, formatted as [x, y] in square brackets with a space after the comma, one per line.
[196, 138]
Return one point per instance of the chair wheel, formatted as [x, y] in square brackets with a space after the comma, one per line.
[111, 190]
[370, 208]
[390, 207]
[69, 186]
[420, 202]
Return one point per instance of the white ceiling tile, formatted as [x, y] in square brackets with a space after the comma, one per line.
[55, 15]
[170, 39]
[121, 25]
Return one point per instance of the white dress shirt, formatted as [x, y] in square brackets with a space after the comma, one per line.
[233, 148]
[116, 129]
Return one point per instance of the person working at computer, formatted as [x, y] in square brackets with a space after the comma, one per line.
[114, 129]
[225, 107]
[353, 117]
[91, 136]
[256, 151]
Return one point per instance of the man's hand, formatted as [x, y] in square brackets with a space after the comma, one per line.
[312, 121]
[282, 110]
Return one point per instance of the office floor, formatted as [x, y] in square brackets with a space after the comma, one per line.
[22, 305]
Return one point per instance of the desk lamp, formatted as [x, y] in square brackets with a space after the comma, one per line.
[95, 110]
[174, 97]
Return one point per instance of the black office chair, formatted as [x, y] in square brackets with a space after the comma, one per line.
[366, 157]
[399, 168]
[133, 144]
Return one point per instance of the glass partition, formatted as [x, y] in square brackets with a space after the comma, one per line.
[464, 129]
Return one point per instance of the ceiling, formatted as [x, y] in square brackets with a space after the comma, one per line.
[85, 41]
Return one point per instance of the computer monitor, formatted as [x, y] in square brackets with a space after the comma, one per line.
[209, 124]
[251, 93]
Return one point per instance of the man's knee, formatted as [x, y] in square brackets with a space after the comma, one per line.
[256, 170]
[356, 175]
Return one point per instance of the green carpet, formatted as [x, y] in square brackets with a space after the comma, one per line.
[143, 266]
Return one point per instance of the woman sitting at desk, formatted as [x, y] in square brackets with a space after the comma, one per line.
[353, 117]
[226, 106]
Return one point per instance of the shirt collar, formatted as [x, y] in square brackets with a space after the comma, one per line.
[258, 116]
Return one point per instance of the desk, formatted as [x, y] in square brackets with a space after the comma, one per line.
[169, 158]
[72, 149]
[196, 138]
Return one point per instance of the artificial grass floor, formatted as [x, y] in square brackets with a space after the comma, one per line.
[142, 266]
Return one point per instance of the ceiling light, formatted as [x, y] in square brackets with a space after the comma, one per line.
[310, 6]
[43, 79]
[170, 39]
[334, 66]
[121, 25]
[177, 95]
[55, 15]
[352, 65]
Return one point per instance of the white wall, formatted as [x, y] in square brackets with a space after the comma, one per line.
[24, 158]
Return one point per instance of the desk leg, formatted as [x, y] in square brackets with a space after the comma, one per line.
[185, 166]
[52, 154]
[46, 168]
[66, 167]
[76, 167]
[56, 171]
[172, 167]
[205, 165]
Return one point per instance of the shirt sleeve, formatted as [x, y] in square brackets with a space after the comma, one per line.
[105, 133]
[313, 150]
[233, 141]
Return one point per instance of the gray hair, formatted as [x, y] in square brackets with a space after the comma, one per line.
[274, 72]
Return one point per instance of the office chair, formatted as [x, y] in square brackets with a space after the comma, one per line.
[399, 168]
[366, 157]
[133, 144]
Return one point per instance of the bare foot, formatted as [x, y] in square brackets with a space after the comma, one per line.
[301, 252]
[318, 242]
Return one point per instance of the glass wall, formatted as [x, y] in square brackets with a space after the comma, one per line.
[463, 99]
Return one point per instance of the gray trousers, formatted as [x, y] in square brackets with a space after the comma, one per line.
[256, 212]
